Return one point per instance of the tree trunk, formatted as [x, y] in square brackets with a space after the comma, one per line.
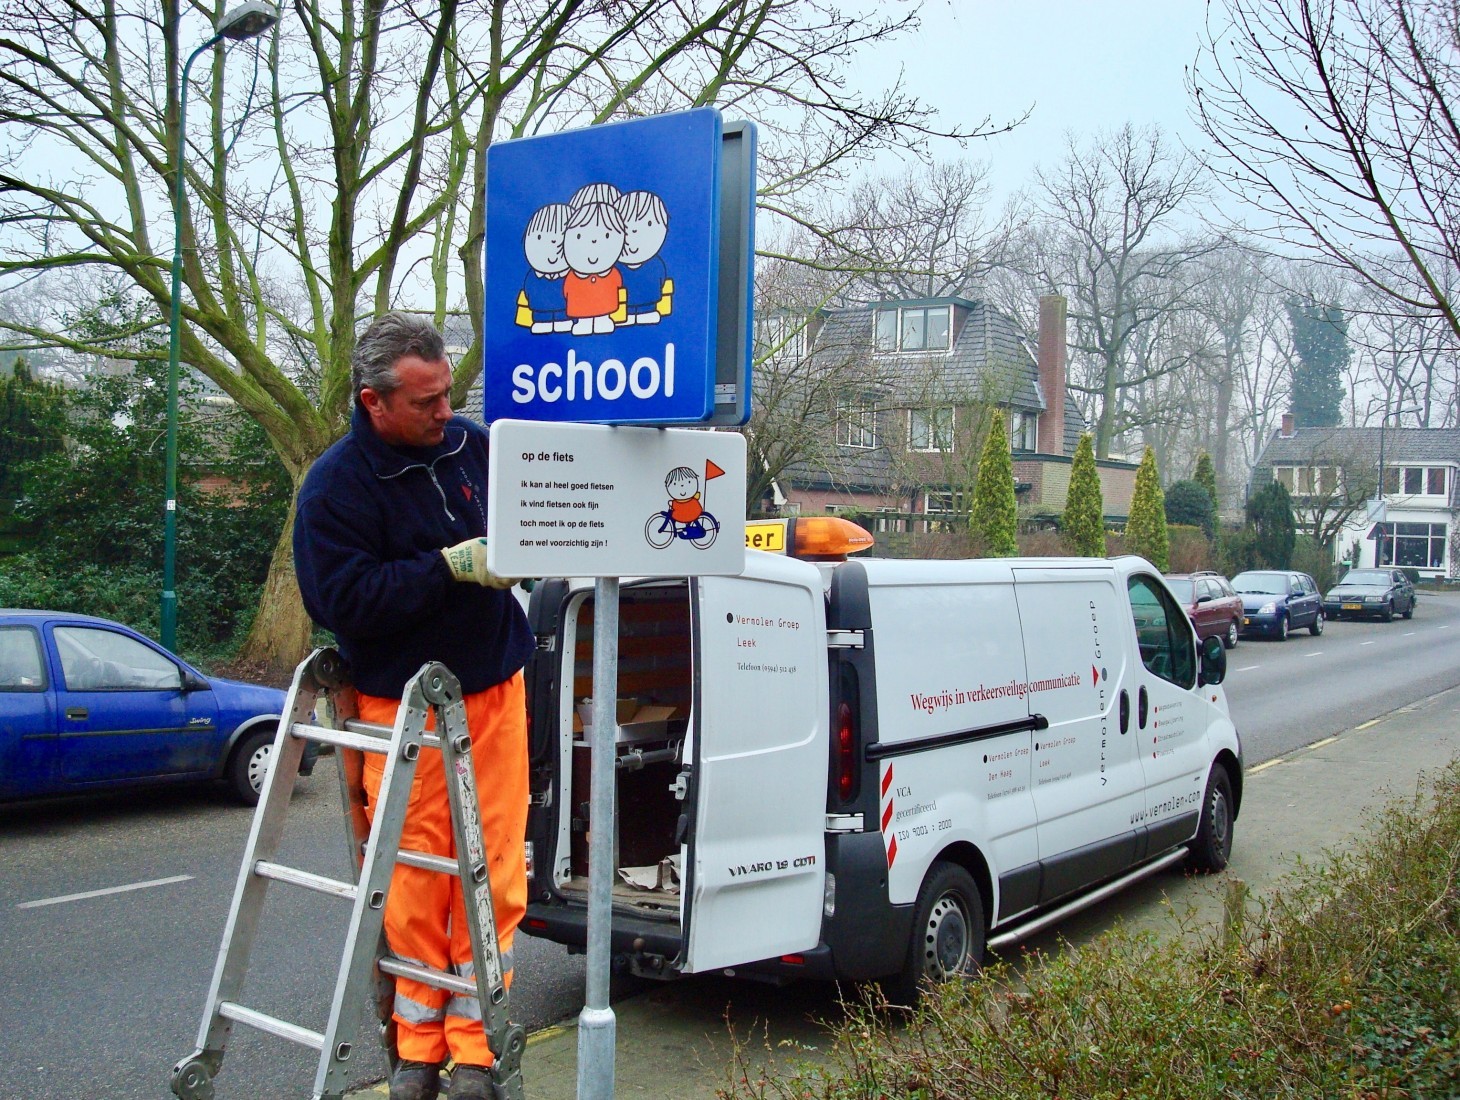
[279, 638]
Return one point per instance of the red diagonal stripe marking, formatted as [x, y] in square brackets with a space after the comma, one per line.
[891, 852]
[886, 816]
[887, 779]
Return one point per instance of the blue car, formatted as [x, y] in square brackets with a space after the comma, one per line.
[1277, 601]
[87, 704]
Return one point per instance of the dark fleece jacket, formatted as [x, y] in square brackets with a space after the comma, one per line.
[371, 520]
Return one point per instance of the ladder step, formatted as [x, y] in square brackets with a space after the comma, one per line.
[261, 1021]
[295, 877]
[427, 862]
[348, 738]
[427, 976]
[355, 725]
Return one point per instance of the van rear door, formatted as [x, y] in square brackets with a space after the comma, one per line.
[754, 849]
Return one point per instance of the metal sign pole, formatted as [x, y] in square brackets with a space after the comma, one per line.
[596, 1023]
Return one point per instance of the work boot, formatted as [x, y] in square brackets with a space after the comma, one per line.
[416, 1081]
[470, 1083]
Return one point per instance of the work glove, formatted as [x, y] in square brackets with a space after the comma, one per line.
[468, 562]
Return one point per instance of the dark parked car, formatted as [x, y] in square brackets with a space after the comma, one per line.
[1276, 601]
[87, 704]
[1380, 592]
[1213, 607]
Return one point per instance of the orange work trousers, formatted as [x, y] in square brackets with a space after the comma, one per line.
[425, 915]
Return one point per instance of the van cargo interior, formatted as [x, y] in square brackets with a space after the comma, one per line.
[655, 693]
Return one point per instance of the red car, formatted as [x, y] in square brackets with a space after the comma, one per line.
[1211, 604]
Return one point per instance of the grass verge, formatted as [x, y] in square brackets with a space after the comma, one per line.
[1343, 983]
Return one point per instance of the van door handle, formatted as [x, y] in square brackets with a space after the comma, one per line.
[1124, 710]
[1141, 707]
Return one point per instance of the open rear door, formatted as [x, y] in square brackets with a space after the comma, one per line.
[756, 844]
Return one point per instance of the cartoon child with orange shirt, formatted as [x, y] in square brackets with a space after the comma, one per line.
[683, 486]
[594, 287]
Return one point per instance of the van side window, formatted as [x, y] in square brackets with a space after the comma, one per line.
[1167, 649]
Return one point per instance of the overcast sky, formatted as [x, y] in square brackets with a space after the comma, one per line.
[1082, 65]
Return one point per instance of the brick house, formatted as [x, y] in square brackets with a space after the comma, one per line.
[910, 428]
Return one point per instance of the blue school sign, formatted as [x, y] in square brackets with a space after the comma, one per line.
[602, 261]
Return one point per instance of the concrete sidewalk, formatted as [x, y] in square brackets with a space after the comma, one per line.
[676, 1042]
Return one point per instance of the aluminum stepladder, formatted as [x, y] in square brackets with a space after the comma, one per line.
[321, 687]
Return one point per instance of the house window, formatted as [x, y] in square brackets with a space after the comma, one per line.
[782, 335]
[920, 328]
[944, 502]
[1023, 431]
[930, 429]
[1418, 545]
[1307, 481]
[856, 423]
[1415, 481]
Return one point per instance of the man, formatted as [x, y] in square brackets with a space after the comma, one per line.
[390, 551]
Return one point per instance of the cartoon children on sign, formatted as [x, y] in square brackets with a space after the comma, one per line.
[686, 517]
[594, 263]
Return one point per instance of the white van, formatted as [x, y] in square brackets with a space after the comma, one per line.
[874, 768]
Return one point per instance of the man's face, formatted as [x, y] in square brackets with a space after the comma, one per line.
[416, 412]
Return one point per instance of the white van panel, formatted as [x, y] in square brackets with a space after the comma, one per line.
[757, 853]
[946, 665]
[1088, 781]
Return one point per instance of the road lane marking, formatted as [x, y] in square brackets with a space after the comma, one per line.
[1246, 668]
[1318, 653]
[1320, 744]
[1274, 762]
[1369, 642]
[1366, 725]
[100, 893]
[1407, 633]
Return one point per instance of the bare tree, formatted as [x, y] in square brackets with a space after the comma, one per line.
[1338, 121]
[926, 233]
[1109, 236]
[342, 167]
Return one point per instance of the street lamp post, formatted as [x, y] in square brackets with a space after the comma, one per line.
[248, 20]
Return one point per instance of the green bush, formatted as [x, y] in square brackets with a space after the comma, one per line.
[1190, 549]
[1145, 530]
[1344, 984]
[994, 521]
[1083, 522]
[1189, 503]
[1313, 558]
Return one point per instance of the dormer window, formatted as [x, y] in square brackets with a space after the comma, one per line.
[913, 328]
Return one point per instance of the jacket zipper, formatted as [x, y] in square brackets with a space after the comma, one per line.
[430, 469]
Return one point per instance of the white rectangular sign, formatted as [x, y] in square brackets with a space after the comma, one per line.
[587, 500]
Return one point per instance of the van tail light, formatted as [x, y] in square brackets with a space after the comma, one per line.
[846, 755]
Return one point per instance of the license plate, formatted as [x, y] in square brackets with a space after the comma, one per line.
[1353, 607]
[1246, 621]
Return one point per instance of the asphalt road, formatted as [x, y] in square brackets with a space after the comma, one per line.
[1287, 694]
[100, 994]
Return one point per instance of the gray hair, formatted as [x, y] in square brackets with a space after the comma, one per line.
[390, 338]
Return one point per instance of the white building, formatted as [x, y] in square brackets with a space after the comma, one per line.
[1332, 475]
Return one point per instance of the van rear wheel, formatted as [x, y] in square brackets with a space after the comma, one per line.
[1210, 850]
[947, 934]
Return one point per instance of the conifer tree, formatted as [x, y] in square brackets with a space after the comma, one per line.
[1206, 476]
[995, 517]
[1145, 531]
[1084, 517]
